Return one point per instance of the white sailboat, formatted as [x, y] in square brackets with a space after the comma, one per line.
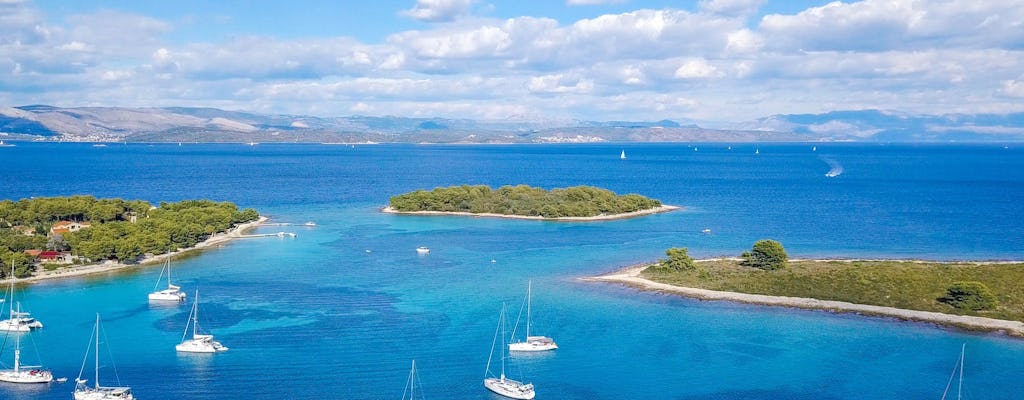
[24, 373]
[199, 343]
[500, 384]
[172, 293]
[97, 392]
[410, 385]
[958, 367]
[623, 155]
[532, 343]
[18, 321]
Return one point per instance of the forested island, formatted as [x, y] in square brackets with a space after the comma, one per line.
[54, 232]
[525, 201]
[973, 295]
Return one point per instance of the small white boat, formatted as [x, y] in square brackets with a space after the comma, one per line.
[501, 385]
[310, 223]
[422, 250]
[757, 151]
[623, 155]
[2, 144]
[99, 145]
[706, 230]
[532, 343]
[17, 320]
[199, 343]
[172, 293]
[24, 373]
[815, 148]
[97, 392]
[253, 143]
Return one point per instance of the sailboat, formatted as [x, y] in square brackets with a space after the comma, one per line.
[24, 373]
[623, 155]
[532, 343]
[501, 385]
[97, 392]
[757, 151]
[19, 321]
[199, 343]
[172, 293]
[958, 367]
[411, 383]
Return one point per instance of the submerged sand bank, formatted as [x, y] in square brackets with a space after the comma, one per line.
[87, 269]
[603, 217]
[630, 276]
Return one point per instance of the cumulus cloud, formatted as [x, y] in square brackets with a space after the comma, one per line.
[438, 10]
[559, 83]
[697, 68]
[1013, 88]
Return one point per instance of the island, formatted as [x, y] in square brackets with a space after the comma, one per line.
[47, 237]
[579, 203]
[982, 295]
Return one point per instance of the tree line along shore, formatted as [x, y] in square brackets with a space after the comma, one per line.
[990, 290]
[49, 233]
[523, 200]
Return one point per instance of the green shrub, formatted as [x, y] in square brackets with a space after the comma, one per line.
[678, 260]
[970, 295]
[766, 255]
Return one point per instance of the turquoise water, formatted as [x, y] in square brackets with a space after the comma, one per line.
[320, 317]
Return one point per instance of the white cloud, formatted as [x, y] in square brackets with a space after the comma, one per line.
[697, 68]
[559, 83]
[438, 10]
[1013, 88]
[743, 41]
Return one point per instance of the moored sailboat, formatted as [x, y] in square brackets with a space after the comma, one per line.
[500, 384]
[199, 343]
[24, 373]
[532, 343]
[172, 293]
[17, 321]
[97, 392]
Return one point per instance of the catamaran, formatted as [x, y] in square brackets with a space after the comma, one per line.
[199, 343]
[500, 384]
[172, 293]
[97, 392]
[18, 321]
[24, 373]
[532, 343]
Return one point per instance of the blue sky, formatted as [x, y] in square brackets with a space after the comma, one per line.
[702, 60]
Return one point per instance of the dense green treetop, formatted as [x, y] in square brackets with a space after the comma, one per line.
[767, 254]
[120, 229]
[578, 201]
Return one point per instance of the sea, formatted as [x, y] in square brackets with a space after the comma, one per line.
[341, 310]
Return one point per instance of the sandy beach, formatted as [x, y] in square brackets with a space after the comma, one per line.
[656, 210]
[107, 266]
[630, 276]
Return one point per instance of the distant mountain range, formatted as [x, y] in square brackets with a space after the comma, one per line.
[183, 124]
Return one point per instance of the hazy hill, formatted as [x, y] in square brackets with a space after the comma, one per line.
[185, 124]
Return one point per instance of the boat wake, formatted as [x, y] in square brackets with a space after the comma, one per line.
[836, 168]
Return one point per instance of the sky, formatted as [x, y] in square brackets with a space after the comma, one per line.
[699, 60]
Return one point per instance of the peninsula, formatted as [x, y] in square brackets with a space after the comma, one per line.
[936, 292]
[43, 238]
[579, 203]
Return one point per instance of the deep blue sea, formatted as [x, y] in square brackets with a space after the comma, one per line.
[339, 311]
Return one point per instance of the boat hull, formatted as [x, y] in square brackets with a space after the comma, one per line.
[104, 393]
[200, 346]
[534, 343]
[29, 376]
[19, 325]
[510, 388]
[164, 295]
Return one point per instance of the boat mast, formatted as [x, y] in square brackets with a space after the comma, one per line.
[959, 386]
[17, 353]
[503, 349]
[97, 358]
[412, 381]
[195, 310]
[529, 289]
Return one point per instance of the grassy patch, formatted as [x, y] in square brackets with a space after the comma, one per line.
[900, 284]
